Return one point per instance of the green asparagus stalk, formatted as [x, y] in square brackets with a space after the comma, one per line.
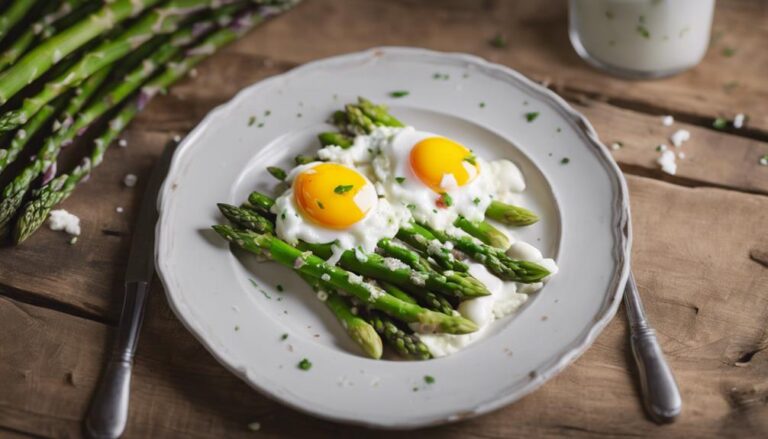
[484, 231]
[423, 297]
[38, 61]
[509, 214]
[404, 254]
[407, 345]
[362, 332]
[303, 159]
[36, 210]
[429, 246]
[338, 139]
[494, 259]
[307, 263]
[14, 14]
[378, 114]
[397, 292]
[54, 17]
[262, 203]
[162, 20]
[14, 191]
[375, 266]
[246, 219]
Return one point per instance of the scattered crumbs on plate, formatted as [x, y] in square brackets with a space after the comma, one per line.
[549, 154]
[280, 288]
[728, 52]
[429, 379]
[720, 123]
[544, 318]
[304, 364]
[260, 125]
[763, 160]
[130, 180]
[254, 426]
[267, 113]
[498, 41]
[530, 117]
[667, 120]
[559, 130]
[284, 337]
[237, 327]
[415, 389]
[616, 145]
[441, 76]
[399, 93]
[508, 351]
[481, 105]
[565, 161]
[251, 120]
[298, 114]
[738, 120]
[661, 148]
[730, 86]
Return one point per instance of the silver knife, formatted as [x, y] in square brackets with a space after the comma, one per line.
[661, 395]
[108, 413]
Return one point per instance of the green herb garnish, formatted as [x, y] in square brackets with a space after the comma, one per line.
[276, 172]
[251, 120]
[280, 288]
[720, 123]
[400, 179]
[320, 204]
[643, 31]
[530, 117]
[476, 201]
[429, 379]
[267, 113]
[565, 161]
[343, 188]
[482, 104]
[283, 337]
[728, 52]
[399, 93]
[498, 41]
[305, 364]
[446, 199]
[471, 159]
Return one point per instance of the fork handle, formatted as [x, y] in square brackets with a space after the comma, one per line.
[660, 392]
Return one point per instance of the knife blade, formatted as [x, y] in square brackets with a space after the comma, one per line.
[108, 413]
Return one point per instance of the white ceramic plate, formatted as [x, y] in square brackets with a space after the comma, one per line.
[234, 308]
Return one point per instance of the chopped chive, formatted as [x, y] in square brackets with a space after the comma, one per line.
[559, 130]
[429, 379]
[643, 31]
[400, 179]
[565, 161]
[720, 123]
[530, 117]
[728, 52]
[482, 104]
[261, 124]
[498, 41]
[446, 199]
[320, 204]
[476, 201]
[276, 172]
[399, 93]
[280, 288]
[305, 364]
[283, 337]
[267, 113]
[410, 206]
[251, 120]
[471, 159]
[342, 188]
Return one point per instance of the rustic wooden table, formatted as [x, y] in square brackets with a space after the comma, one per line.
[700, 245]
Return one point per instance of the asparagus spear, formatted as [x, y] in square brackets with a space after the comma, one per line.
[38, 61]
[13, 14]
[246, 219]
[161, 20]
[331, 138]
[397, 292]
[306, 262]
[54, 17]
[407, 345]
[509, 214]
[36, 210]
[494, 259]
[376, 266]
[404, 254]
[14, 191]
[362, 332]
[483, 231]
[424, 297]
[429, 246]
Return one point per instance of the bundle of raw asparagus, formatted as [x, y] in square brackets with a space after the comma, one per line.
[67, 65]
[422, 292]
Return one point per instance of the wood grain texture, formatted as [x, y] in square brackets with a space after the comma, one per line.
[699, 252]
[710, 320]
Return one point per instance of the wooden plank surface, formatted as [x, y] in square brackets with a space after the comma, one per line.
[693, 242]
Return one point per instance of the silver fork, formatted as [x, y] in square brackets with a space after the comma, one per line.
[661, 395]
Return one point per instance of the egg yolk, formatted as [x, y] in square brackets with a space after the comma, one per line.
[334, 195]
[443, 164]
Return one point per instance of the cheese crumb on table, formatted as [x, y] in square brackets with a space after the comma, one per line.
[119, 209]
[667, 162]
[122, 143]
[679, 137]
[738, 120]
[62, 220]
[667, 121]
[130, 180]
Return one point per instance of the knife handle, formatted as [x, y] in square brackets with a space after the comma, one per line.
[108, 414]
[660, 392]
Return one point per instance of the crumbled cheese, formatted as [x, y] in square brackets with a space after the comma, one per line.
[322, 295]
[336, 252]
[418, 278]
[667, 121]
[616, 146]
[764, 160]
[393, 264]
[63, 220]
[177, 138]
[298, 263]
[681, 155]
[738, 120]
[679, 137]
[354, 279]
[667, 162]
[119, 209]
[448, 245]
[326, 277]
[130, 180]
[122, 143]
[435, 247]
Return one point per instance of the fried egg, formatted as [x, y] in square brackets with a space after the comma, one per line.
[331, 202]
